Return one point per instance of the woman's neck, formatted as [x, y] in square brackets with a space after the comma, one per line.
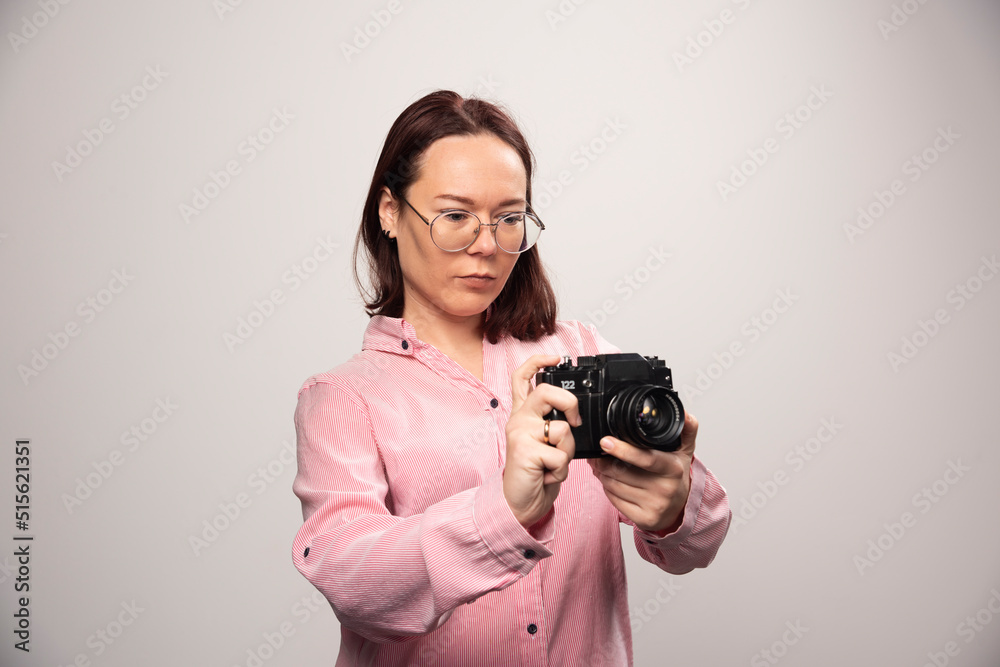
[460, 338]
[447, 333]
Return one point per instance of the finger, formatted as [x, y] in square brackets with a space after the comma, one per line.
[623, 490]
[609, 469]
[639, 488]
[560, 439]
[626, 507]
[652, 460]
[546, 397]
[520, 379]
[688, 434]
[556, 456]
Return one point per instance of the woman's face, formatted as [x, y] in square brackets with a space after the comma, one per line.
[481, 174]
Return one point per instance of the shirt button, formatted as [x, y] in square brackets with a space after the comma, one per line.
[529, 553]
[494, 402]
[532, 629]
[306, 552]
[406, 345]
[650, 542]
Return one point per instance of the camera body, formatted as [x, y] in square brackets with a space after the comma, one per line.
[627, 396]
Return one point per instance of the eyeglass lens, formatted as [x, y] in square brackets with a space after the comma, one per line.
[456, 230]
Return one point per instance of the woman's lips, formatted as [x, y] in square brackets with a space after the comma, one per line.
[478, 280]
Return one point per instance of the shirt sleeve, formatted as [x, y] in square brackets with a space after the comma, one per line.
[391, 578]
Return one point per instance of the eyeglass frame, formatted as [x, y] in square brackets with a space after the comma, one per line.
[492, 225]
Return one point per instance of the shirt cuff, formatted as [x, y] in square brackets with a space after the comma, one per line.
[509, 541]
[691, 508]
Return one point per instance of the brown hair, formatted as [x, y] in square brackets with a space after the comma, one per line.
[526, 306]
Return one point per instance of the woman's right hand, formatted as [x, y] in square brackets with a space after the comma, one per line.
[534, 470]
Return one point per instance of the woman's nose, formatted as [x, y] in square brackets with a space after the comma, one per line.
[485, 242]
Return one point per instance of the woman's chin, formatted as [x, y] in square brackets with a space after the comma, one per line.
[468, 308]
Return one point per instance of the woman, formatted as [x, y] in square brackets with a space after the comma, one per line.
[446, 520]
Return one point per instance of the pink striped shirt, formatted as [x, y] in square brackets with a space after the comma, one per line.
[408, 535]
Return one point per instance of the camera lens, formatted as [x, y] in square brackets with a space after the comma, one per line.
[650, 416]
[647, 415]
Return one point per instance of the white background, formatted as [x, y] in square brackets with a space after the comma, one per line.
[795, 557]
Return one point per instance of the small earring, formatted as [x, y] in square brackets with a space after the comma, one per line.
[385, 233]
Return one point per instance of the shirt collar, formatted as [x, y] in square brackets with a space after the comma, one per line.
[395, 335]
[391, 334]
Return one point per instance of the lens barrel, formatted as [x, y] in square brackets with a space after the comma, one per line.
[648, 415]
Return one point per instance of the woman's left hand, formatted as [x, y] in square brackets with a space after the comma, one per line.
[648, 486]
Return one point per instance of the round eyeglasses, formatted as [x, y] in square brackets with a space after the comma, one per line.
[456, 229]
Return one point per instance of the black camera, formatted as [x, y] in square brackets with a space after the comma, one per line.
[628, 396]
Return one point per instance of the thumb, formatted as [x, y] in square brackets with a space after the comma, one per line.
[520, 380]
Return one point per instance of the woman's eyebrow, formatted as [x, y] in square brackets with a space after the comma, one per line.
[470, 203]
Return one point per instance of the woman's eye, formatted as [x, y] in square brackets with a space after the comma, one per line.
[456, 216]
[513, 219]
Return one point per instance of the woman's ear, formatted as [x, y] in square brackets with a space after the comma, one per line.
[388, 212]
